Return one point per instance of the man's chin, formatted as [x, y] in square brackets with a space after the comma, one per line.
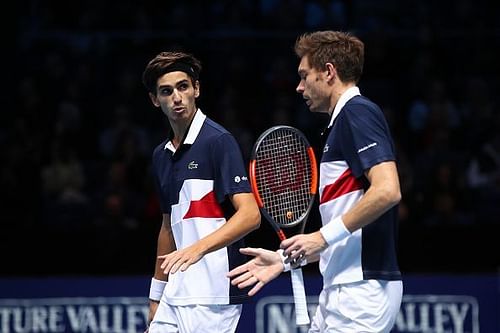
[312, 108]
[318, 110]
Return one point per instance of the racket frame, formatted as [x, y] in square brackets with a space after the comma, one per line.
[302, 317]
[314, 179]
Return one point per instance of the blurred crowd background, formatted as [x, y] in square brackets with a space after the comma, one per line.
[77, 129]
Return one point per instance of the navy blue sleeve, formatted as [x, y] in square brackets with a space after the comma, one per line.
[164, 206]
[156, 165]
[230, 168]
[366, 140]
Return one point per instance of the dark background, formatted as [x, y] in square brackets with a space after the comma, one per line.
[77, 128]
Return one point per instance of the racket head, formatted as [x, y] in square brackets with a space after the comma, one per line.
[283, 175]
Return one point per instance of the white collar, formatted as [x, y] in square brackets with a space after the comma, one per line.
[344, 98]
[194, 130]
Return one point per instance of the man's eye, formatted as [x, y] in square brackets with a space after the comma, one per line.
[183, 86]
[166, 91]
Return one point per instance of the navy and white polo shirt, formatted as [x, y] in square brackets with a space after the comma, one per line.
[357, 140]
[194, 183]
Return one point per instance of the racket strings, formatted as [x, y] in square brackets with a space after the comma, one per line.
[284, 176]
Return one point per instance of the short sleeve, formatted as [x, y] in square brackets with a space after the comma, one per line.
[366, 140]
[231, 173]
[155, 174]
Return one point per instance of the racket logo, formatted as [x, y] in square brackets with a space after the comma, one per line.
[283, 178]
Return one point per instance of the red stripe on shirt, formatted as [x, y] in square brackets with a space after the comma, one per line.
[205, 207]
[344, 184]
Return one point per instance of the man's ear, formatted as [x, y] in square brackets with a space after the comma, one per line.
[331, 72]
[154, 100]
[196, 89]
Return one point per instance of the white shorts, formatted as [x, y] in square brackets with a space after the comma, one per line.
[360, 307]
[195, 318]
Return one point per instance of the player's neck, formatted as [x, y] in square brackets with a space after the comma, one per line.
[179, 133]
[180, 128]
[338, 91]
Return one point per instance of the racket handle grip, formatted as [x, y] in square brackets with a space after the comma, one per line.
[299, 297]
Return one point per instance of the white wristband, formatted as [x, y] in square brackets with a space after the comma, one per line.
[334, 231]
[156, 289]
[287, 264]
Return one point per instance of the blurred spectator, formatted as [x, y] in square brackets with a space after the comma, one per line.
[66, 205]
[446, 198]
[483, 176]
[479, 110]
[120, 206]
[123, 137]
[435, 110]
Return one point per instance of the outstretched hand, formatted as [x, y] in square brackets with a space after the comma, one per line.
[264, 267]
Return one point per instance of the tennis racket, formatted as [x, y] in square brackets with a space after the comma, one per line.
[284, 179]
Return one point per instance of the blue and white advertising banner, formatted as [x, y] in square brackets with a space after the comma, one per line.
[419, 313]
[74, 314]
[431, 304]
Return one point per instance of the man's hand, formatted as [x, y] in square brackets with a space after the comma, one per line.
[300, 246]
[266, 266]
[181, 259]
[153, 306]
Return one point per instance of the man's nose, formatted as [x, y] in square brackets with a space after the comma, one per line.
[300, 88]
[176, 96]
